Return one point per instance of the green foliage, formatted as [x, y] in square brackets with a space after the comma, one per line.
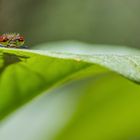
[69, 91]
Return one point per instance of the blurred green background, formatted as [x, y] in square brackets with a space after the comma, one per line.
[95, 21]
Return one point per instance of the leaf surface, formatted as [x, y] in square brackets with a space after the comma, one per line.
[29, 78]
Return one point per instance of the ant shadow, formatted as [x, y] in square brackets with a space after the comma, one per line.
[9, 59]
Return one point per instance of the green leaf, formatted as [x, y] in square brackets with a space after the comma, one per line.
[94, 105]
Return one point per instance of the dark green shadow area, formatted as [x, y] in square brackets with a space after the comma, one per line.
[9, 59]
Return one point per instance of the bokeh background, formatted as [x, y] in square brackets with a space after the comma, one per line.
[114, 22]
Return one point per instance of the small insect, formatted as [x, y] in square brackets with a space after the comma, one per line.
[12, 40]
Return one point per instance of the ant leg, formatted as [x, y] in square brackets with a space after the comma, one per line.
[24, 47]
